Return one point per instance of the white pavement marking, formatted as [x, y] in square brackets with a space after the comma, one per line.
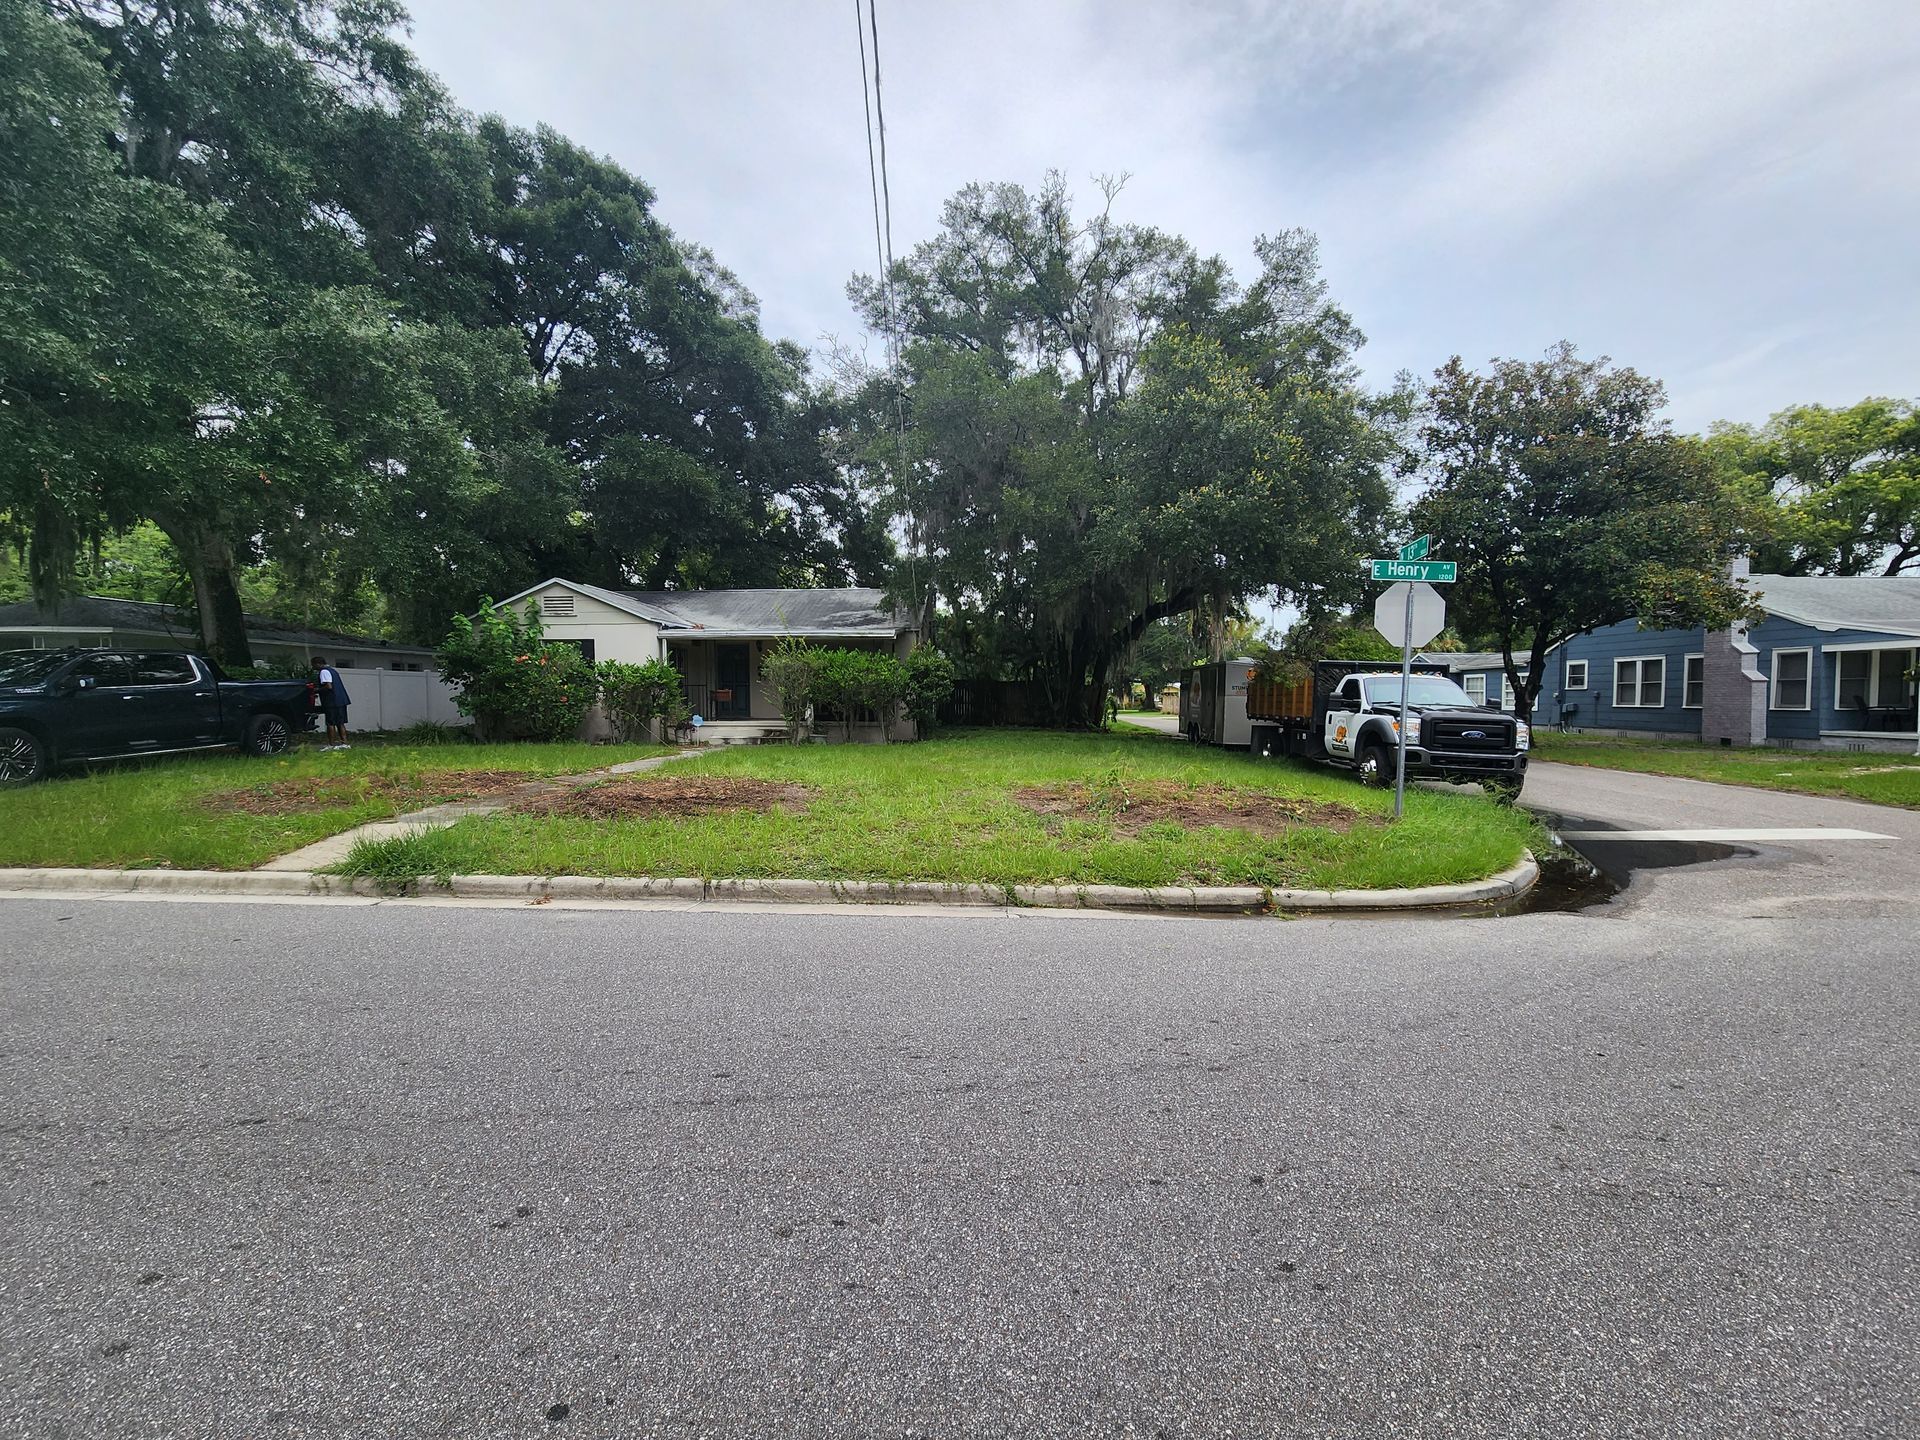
[1734, 836]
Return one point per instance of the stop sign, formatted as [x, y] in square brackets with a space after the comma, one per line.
[1429, 613]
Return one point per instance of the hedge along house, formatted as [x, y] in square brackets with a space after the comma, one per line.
[717, 639]
[1830, 664]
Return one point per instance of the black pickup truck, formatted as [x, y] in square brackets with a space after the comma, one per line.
[62, 706]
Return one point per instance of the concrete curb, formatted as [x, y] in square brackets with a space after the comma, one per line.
[1196, 900]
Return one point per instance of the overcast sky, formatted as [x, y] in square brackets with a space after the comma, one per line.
[1722, 193]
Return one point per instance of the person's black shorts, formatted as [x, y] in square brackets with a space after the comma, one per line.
[336, 714]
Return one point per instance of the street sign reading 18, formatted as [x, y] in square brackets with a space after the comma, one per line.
[1434, 572]
[1416, 549]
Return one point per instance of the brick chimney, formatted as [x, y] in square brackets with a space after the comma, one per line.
[1734, 705]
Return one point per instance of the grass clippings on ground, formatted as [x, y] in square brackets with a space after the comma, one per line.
[326, 792]
[668, 796]
[1131, 808]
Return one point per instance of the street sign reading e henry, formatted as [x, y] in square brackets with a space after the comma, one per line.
[1390, 614]
[1434, 572]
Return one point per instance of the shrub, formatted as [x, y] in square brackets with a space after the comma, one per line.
[638, 695]
[882, 685]
[838, 676]
[790, 668]
[513, 683]
[432, 732]
[929, 687]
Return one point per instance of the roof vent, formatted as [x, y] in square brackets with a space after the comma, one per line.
[557, 604]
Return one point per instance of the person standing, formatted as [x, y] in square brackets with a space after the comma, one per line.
[333, 704]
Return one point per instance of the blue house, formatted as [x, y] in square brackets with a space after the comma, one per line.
[1832, 663]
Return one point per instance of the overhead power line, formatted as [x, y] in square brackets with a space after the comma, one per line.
[881, 193]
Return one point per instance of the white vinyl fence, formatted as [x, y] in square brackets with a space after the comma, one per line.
[392, 699]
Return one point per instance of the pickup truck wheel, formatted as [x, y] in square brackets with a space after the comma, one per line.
[23, 758]
[1376, 769]
[268, 735]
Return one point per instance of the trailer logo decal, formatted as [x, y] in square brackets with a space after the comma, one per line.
[1340, 733]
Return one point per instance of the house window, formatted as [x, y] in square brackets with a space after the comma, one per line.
[1640, 682]
[1576, 675]
[1506, 690]
[1694, 685]
[585, 647]
[1476, 688]
[557, 604]
[1792, 680]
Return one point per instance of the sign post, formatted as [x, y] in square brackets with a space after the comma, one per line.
[1411, 613]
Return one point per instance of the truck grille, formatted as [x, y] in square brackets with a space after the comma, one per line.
[1450, 732]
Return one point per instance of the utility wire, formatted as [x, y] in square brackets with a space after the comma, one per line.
[882, 195]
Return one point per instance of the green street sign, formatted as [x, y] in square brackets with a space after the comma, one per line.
[1434, 572]
[1416, 549]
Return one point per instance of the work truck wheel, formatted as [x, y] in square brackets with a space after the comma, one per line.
[268, 735]
[1376, 765]
[23, 757]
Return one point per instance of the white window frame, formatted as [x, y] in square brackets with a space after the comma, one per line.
[1476, 688]
[1639, 663]
[1585, 671]
[1686, 662]
[1506, 688]
[1873, 669]
[1773, 678]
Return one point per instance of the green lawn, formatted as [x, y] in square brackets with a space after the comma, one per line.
[1856, 775]
[948, 810]
[219, 812]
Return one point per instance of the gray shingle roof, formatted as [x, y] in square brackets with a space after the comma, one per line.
[150, 617]
[1464, 661]
[1885, 603]
[850, 611]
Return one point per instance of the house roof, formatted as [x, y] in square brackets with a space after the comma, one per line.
[1888, 604]
[851, 610]
[1464, 661]
[150, 617]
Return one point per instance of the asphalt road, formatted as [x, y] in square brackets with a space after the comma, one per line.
[335, 1169]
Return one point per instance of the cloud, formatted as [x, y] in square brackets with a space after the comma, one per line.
[1671, 181]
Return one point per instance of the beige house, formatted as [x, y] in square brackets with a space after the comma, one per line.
[717, 639]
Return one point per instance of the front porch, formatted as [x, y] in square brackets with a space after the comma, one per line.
[720, 677]
[1874, 697]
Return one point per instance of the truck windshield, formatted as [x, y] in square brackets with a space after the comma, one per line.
[30, 667]
[1425, 689]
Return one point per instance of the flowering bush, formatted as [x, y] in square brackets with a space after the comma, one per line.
[514, 682]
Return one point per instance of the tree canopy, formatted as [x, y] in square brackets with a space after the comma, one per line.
[1105, 430]
[270, 291]
[1569, 505]
[1837, 491]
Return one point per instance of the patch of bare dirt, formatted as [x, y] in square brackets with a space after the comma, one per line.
[332, 792]
[1133, 806]
[671, 796]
